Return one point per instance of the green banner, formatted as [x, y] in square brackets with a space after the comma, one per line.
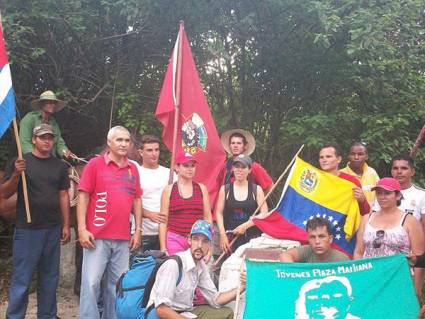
[367, 288]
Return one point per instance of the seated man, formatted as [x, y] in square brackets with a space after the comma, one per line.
[176, 301]
[319, 249]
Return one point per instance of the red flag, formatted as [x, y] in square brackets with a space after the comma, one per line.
[196, 131]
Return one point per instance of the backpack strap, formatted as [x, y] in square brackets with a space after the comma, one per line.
[226, 190]
[228, 171]
[254, 191]
[404, 219]
[119, 289]
[135, 260]
[152, 278]
[148, 311]
[178, 259]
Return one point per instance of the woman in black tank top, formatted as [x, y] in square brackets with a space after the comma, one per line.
[235, 205]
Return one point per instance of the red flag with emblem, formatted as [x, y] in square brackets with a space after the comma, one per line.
[196, 133]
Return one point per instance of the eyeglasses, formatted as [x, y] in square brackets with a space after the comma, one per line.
[377, 242]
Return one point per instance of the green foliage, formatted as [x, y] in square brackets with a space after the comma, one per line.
[291, 71]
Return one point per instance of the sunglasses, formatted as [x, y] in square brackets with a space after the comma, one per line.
[377, 242]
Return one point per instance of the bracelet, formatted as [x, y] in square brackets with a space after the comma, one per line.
[139, 229]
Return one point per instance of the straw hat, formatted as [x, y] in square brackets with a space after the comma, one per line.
[225, 139]
[48, 96]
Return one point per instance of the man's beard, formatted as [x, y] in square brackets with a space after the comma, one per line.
[199, 250]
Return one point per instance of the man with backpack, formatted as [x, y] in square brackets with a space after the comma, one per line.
[172, 294]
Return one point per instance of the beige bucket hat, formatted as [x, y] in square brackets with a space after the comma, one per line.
[225, 139]
[48, 96]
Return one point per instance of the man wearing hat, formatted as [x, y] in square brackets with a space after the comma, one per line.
[173, 300]
[44, 107]
[238, 141]
[36, 245]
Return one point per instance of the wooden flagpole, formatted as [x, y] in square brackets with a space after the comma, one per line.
[24, 178]
[177, 102]
[265, 198]
[238, 291]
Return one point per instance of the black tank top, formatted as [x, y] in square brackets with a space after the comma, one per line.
[238, 212]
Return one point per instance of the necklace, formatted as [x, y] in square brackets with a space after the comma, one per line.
[179, 188]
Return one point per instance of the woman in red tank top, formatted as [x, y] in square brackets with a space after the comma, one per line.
[183, 202]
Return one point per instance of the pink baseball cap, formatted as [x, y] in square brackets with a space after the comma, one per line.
[183, 157]
[389, 184]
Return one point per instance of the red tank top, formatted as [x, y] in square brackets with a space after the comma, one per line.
[183, 212]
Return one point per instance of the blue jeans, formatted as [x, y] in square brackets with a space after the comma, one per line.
[109, 257]
[35, 249]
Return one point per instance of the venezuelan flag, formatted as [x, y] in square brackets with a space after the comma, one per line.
[310, 192]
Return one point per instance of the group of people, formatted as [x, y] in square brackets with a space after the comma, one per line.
[127, 208]
[113, 187]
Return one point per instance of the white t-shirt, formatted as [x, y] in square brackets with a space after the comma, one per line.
[152, 181]
[413, 201]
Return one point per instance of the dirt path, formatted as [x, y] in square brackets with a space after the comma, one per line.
[67, 305]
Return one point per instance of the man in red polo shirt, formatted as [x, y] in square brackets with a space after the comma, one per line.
[108, 192]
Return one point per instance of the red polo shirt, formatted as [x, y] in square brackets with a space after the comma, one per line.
[112, 190]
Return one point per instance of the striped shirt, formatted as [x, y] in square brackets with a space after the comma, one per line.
[183, 212]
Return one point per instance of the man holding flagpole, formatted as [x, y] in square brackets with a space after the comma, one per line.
[36, 246]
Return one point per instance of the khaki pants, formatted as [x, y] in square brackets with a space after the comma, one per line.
[208, 312]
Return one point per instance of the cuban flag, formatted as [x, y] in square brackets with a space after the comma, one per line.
[7, 97]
